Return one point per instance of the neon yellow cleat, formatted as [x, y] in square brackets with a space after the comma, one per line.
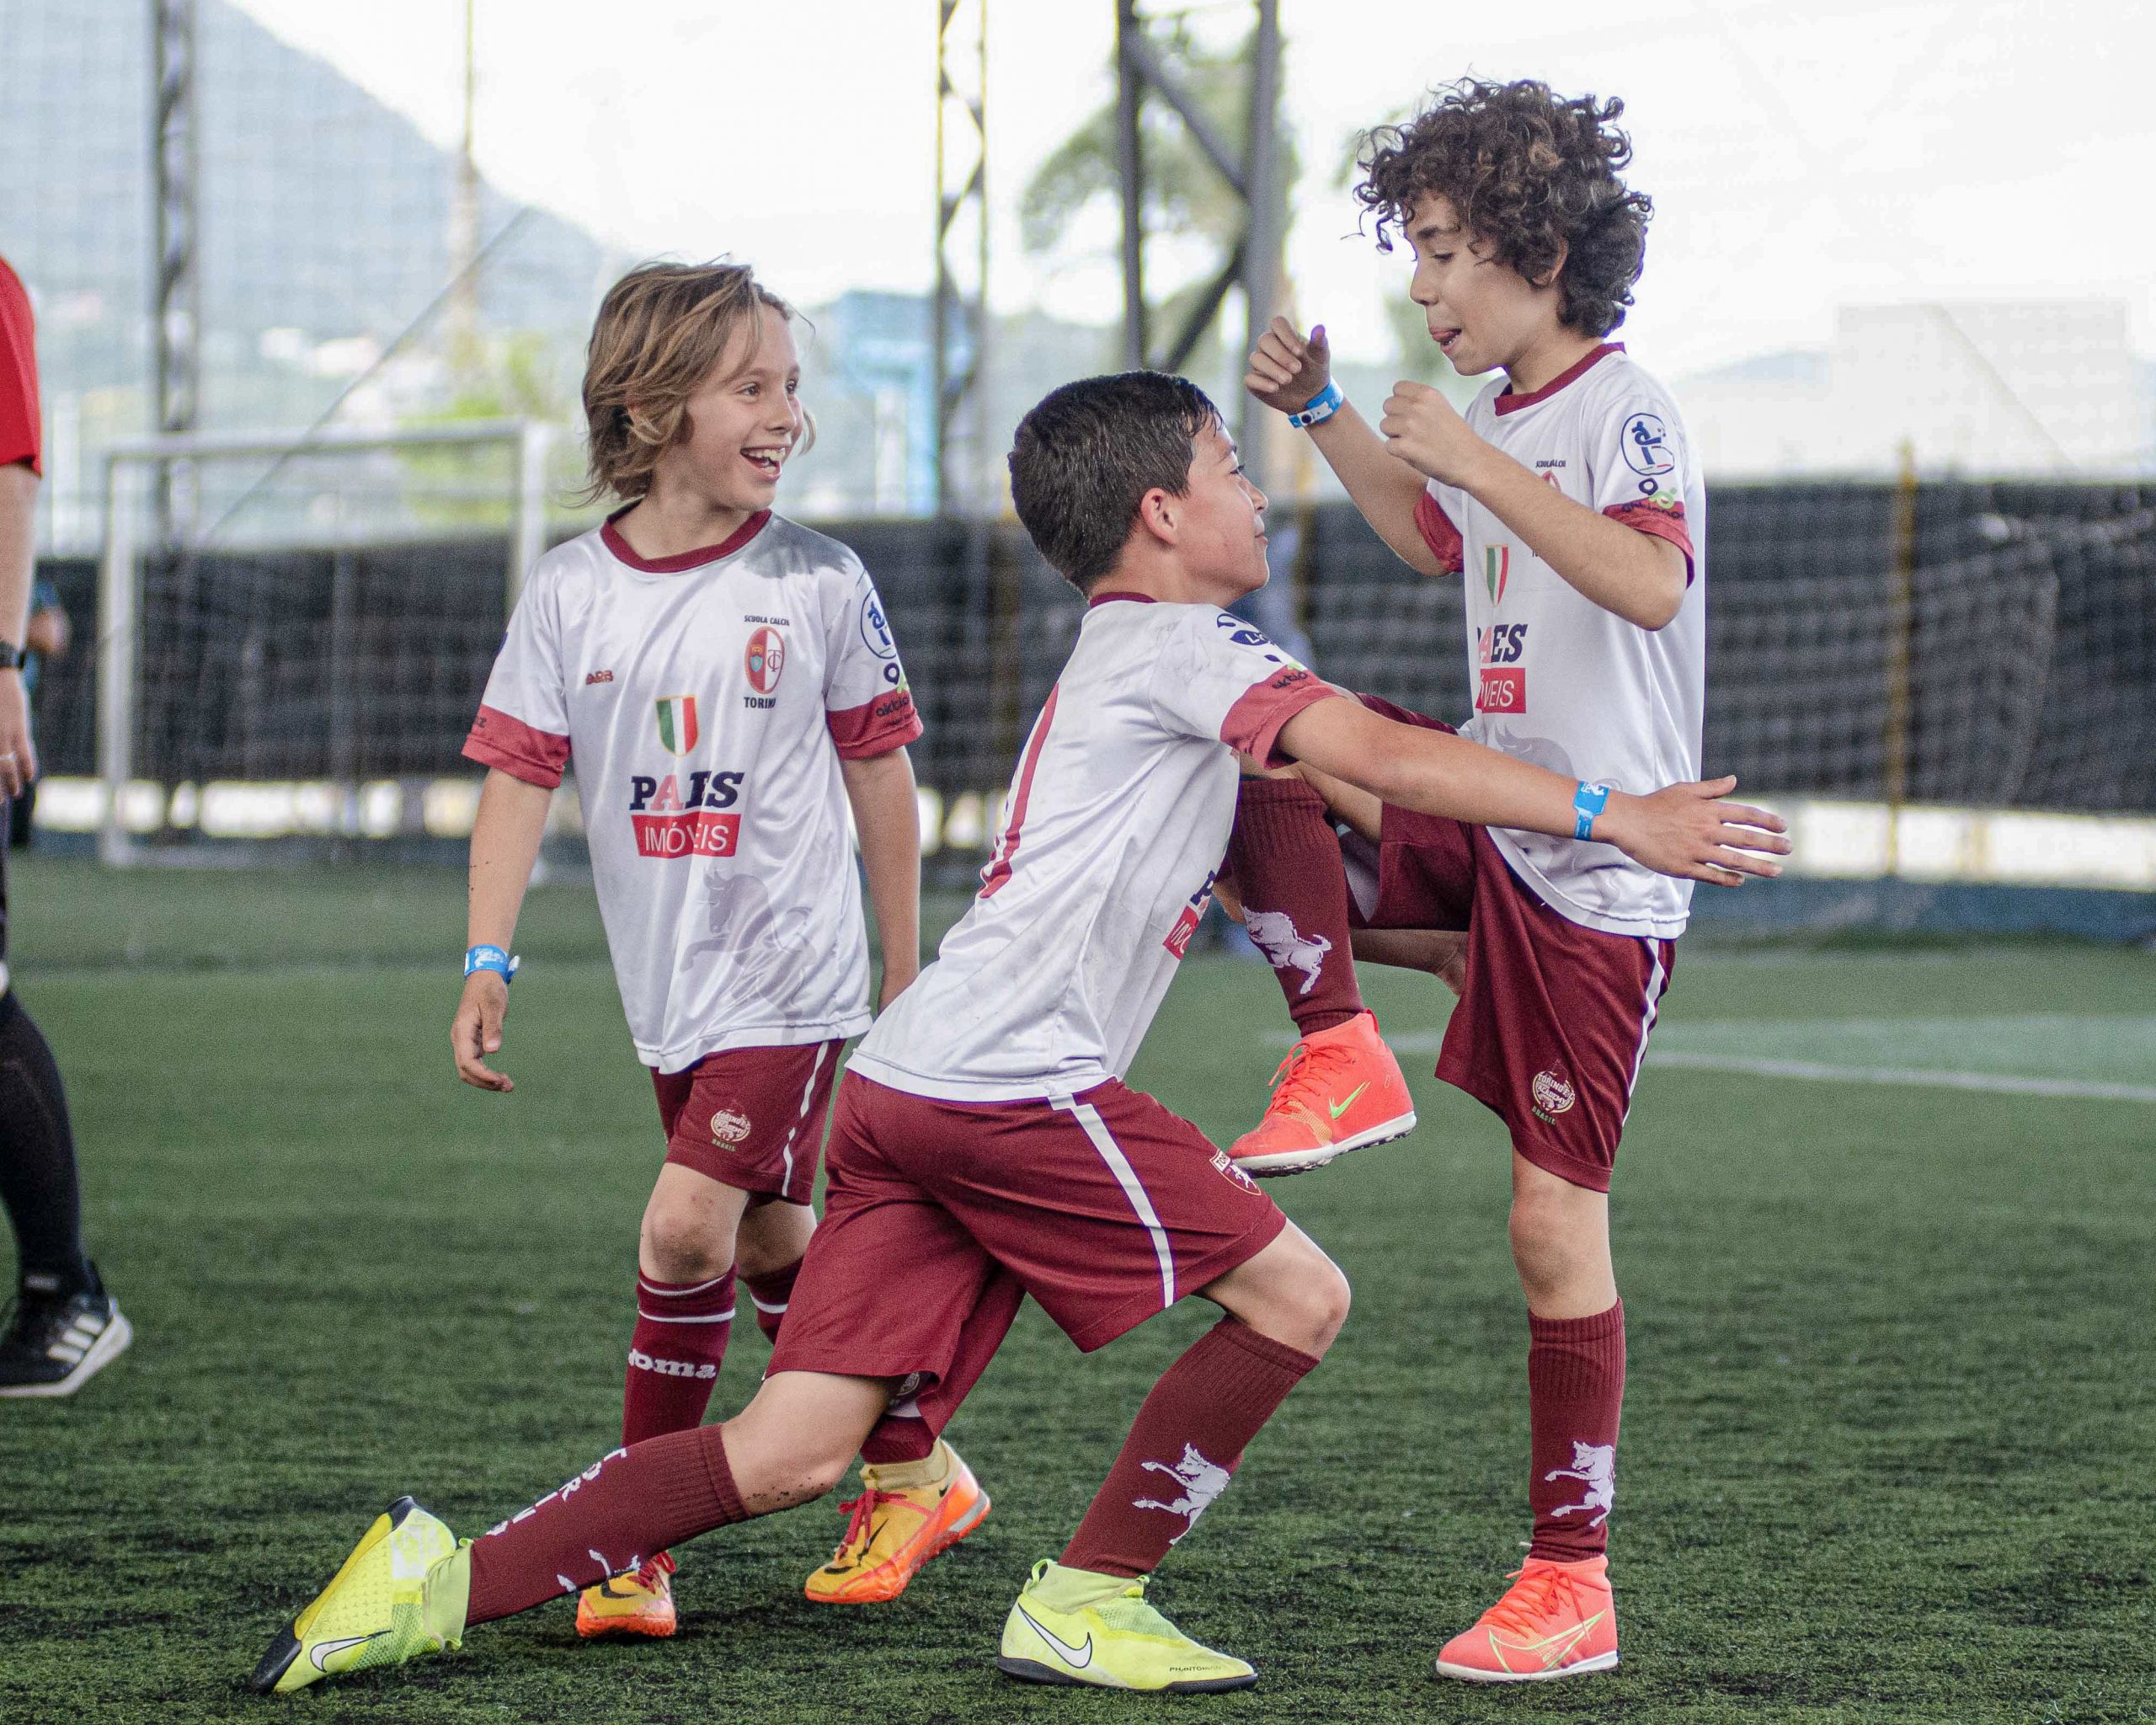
[1073, 1626]
[403, 1592]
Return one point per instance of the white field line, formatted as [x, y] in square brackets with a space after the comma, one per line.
[1428, 1042]
[2009, 1083]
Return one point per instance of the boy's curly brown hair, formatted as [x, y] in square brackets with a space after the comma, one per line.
[1533, 175]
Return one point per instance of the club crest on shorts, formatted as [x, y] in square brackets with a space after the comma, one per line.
[677, 723]
[1226, 1164]
[1553, 1094]
[729, 1126]
[764, 660]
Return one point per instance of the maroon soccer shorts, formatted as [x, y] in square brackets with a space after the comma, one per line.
[752, 1118]
[1553, 1022]
[1106, 1207]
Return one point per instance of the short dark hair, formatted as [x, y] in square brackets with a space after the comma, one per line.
[1087, 454]
[1528, 171]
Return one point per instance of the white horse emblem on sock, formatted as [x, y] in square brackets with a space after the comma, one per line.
[1595, 1466]
[1274, 934]
[1200, 1481]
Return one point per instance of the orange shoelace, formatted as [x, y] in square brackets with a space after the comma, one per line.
[1535, 1597]
[864, 1508]
[1302, 1082]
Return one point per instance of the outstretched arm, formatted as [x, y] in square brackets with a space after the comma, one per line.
[1683, 830]
[505, 838]
[887, 817]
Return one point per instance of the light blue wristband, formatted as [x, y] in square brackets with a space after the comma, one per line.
[492, 958]
[1587, 802]
[1320, 408]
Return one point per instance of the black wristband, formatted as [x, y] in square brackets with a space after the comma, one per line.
[11, 656]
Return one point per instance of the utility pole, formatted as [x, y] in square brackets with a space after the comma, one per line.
[176, 309]
[463, 309]
[1255, 263]
[960, 335]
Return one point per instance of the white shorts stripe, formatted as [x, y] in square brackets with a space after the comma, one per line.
[1657, 975]
[1088, 1116]
[808, 1091]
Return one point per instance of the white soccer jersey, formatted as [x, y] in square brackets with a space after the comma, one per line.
[1557, 680]
[707, 701]
[1117, 820]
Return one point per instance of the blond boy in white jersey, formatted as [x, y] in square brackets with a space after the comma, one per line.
[1568, 496]
[727, 688]
[985, 1145]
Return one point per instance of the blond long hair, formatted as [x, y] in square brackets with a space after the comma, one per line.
[661, 329]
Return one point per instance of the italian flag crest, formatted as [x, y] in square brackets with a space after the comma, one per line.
[677, 723]
[1497, 565]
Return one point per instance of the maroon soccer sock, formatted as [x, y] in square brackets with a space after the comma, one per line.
[675, 1354]
[769, 1294]
[623, 1509]
[1187, 1441]
[1575, 1393]
[1286, 861]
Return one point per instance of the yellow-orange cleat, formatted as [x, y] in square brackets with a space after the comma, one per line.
[638, 1601]
[1338, 1090]
[896, 1529]
[1556, 1619]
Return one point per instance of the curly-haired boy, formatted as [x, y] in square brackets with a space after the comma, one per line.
[1567, 494]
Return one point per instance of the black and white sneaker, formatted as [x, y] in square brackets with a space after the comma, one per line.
[54, 1343]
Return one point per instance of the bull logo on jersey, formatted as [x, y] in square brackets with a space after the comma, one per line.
[677, 723]
[1497, 569]
[765, 660]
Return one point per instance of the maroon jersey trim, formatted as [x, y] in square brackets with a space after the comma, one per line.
[1508, 402]
[1252, 726]
[501, 739]
[674, 565]
[1134, 598]
[1440, 535]
[875, 727]
[1659, 520]
[998, 871]
[20, 432]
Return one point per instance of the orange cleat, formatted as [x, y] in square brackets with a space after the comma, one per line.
[1556, 1619]
[638, 1601]
[1338, 1090]
[897, 1529]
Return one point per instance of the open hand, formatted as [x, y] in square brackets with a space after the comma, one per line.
[1686, 830]
[1425, 431]
[1289, 369]
[476, 1031]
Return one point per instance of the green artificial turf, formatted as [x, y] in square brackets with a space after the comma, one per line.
[1890, 1437]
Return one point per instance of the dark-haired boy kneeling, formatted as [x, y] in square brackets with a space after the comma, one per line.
[986, 1146]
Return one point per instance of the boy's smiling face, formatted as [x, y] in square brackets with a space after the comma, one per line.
[1480, 312]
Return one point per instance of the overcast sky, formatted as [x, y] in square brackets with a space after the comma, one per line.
[1800, 158]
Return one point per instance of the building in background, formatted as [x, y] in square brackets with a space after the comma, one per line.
[2052, 389]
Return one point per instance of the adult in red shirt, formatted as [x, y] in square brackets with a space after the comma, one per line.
[63, 1326]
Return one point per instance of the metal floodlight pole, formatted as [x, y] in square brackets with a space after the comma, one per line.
[176, 312]
[960, 310]
[1254, 262]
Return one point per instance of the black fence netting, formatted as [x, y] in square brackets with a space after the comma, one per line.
[1991, 644]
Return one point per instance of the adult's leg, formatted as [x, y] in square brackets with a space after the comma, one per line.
[39, 1183]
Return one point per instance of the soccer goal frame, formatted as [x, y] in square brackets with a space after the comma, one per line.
[128, 463]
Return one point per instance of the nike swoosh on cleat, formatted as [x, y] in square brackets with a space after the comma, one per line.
[322, 1650]
[1077, 1658]
[1551, 1649]
[1342, 1107]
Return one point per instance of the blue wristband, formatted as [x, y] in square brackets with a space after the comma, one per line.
[1320, 408]
[492, 958]
[1587, 802]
